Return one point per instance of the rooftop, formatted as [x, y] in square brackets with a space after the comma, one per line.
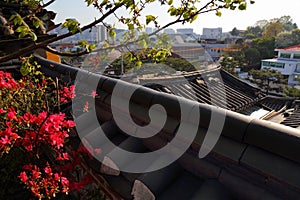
[292, 48]
[253, 158]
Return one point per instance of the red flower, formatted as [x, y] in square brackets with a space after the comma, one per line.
[67, 93]
[94, 94]
[69, 124]
[97, 150]
[23, 177]
[2, 111]
[63, 156]
[5, 140]
[11, 115]
[86, 107]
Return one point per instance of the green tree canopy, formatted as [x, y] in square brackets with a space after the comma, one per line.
[230, 64]
[292, 92]
[258, 49]
[267, 79]
[273, 29]
[287, 39]
[235, 32]
[253, 32]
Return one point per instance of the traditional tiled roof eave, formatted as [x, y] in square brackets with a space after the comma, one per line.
[252, 159]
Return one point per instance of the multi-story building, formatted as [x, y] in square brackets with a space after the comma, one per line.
[287, 63]
[211, 34]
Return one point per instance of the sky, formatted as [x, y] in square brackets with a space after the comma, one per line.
[261, 10]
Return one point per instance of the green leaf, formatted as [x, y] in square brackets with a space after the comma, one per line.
[243, 6]
[17, 19]
[112, 33]
[20, 29]
[82, 43]
[34, 37]
[130, 26]
[149, 18]
[91, 47]
[72, 25]
[172, 10]
[138, 64]
[36, 22]
[103, 3]
[218, 13]
[24, 70]
[89, 2]
[128, 3]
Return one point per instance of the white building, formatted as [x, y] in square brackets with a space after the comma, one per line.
[287, 63]
[212, 33]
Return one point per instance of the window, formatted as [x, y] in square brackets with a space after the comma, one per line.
[285, 55]
[297, 68]
[296, 56]
[272, 64]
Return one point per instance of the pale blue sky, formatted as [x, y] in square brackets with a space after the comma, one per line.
[262, 9]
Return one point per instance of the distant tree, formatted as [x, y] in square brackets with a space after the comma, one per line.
[267, 79]
[273, 29]
[252, 57]
[295, 26]
[296, 36]
[292, 92]
[265, 46]
[284, 40]
[287, 22]
[235, 32]
[253, 32]
[229, 64]
[239, 41]
[262, 23]
[258, 49]
[287, 39]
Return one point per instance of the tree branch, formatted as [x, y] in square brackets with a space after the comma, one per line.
[178, 20]
[48, 3]
[42, 44]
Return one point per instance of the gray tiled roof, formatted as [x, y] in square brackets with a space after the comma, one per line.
[253, 159]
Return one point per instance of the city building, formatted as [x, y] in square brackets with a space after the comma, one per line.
[148, 30]
[211, 34]
[216, 50]
[287, 63]
[193, 51]
[169, 31]
[185, 31]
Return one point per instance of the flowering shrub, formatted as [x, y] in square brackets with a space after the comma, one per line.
[33, 137]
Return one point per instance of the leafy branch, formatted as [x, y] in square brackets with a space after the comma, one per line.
[187, 11]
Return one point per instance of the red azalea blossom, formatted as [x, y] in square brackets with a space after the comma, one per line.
[94, 94]
[86, 107]
[97, 151]
[34, 127]
[23, 177]
[5, 140]
[67, 94]
[2, 111]
[11, 115]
